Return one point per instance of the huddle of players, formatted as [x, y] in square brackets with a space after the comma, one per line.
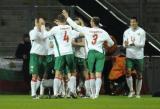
[89, 53]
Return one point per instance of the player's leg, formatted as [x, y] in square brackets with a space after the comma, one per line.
[80, 68]
[68, 75]
[48, 67]
[71, 66]
[42, 70]
[62, 91]
[100, 59]
[34, 72]
[59, 63]
[129, 79]
[87, 79]
[91, 62]
[139, 69]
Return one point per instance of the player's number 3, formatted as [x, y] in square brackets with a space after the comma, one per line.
[66, 38]
[95, 37]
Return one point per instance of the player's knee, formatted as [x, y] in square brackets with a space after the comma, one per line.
[139, 76]
[58, 73]
[92, 76]
[87, 76]
[98, 75]
[38, 78]
[34, 78]
[73, 72]
[128, 73]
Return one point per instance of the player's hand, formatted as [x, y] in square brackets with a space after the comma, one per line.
[36, 22]
[126, 43]
[56, 21]
[65, 13]
[133, 40]
[81, 21]
[41, 21]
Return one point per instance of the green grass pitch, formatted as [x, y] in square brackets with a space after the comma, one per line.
[103, 102]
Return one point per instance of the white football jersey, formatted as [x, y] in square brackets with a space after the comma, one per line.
[37, 42]
[50, 45]
[63, 35]
[139, 35]
[95, 37]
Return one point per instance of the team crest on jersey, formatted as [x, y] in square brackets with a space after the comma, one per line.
[138, 34]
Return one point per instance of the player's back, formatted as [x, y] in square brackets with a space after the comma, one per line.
[63, 37]
[95, 38]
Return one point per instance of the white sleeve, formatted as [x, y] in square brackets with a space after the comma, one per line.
[33, 34]
[109, 40]
[75, 26]
[140, 42]
[124, 39]
[46, 33]
[75, 34]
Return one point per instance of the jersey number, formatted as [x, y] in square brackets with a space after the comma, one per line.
[95, 37]
[66, 38]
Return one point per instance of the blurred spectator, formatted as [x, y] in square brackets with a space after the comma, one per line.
[22, 52]
[23, 48]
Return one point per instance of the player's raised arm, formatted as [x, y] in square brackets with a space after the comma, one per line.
[72, 23]
[36, 32]
[47, 33]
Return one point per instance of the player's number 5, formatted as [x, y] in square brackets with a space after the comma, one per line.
[95, 37]
[66, 38]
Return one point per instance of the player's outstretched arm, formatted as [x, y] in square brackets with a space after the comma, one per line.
[46, 33]
[72, 23]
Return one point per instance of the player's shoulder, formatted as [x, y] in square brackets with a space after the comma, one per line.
[64, 27]
[127, 30]
[141, 29]
[102, 31]
[96, 29]
[55, 27]
[31, 32]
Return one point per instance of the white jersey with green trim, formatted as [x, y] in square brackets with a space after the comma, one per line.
[37, 42]
[95, 37]
[50, 45]
[63, 39]
[136, 51]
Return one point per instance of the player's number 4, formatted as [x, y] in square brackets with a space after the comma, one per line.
[95, 37]
[66, 38]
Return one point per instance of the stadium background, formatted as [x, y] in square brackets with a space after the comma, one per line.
[17, 18]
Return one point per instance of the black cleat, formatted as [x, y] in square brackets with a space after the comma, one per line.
[35, 97]
[73, 95]
[54, 97]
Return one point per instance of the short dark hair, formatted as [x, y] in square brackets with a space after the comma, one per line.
[49, 25]
[134, 18]
[61, 18]
[96, 20]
